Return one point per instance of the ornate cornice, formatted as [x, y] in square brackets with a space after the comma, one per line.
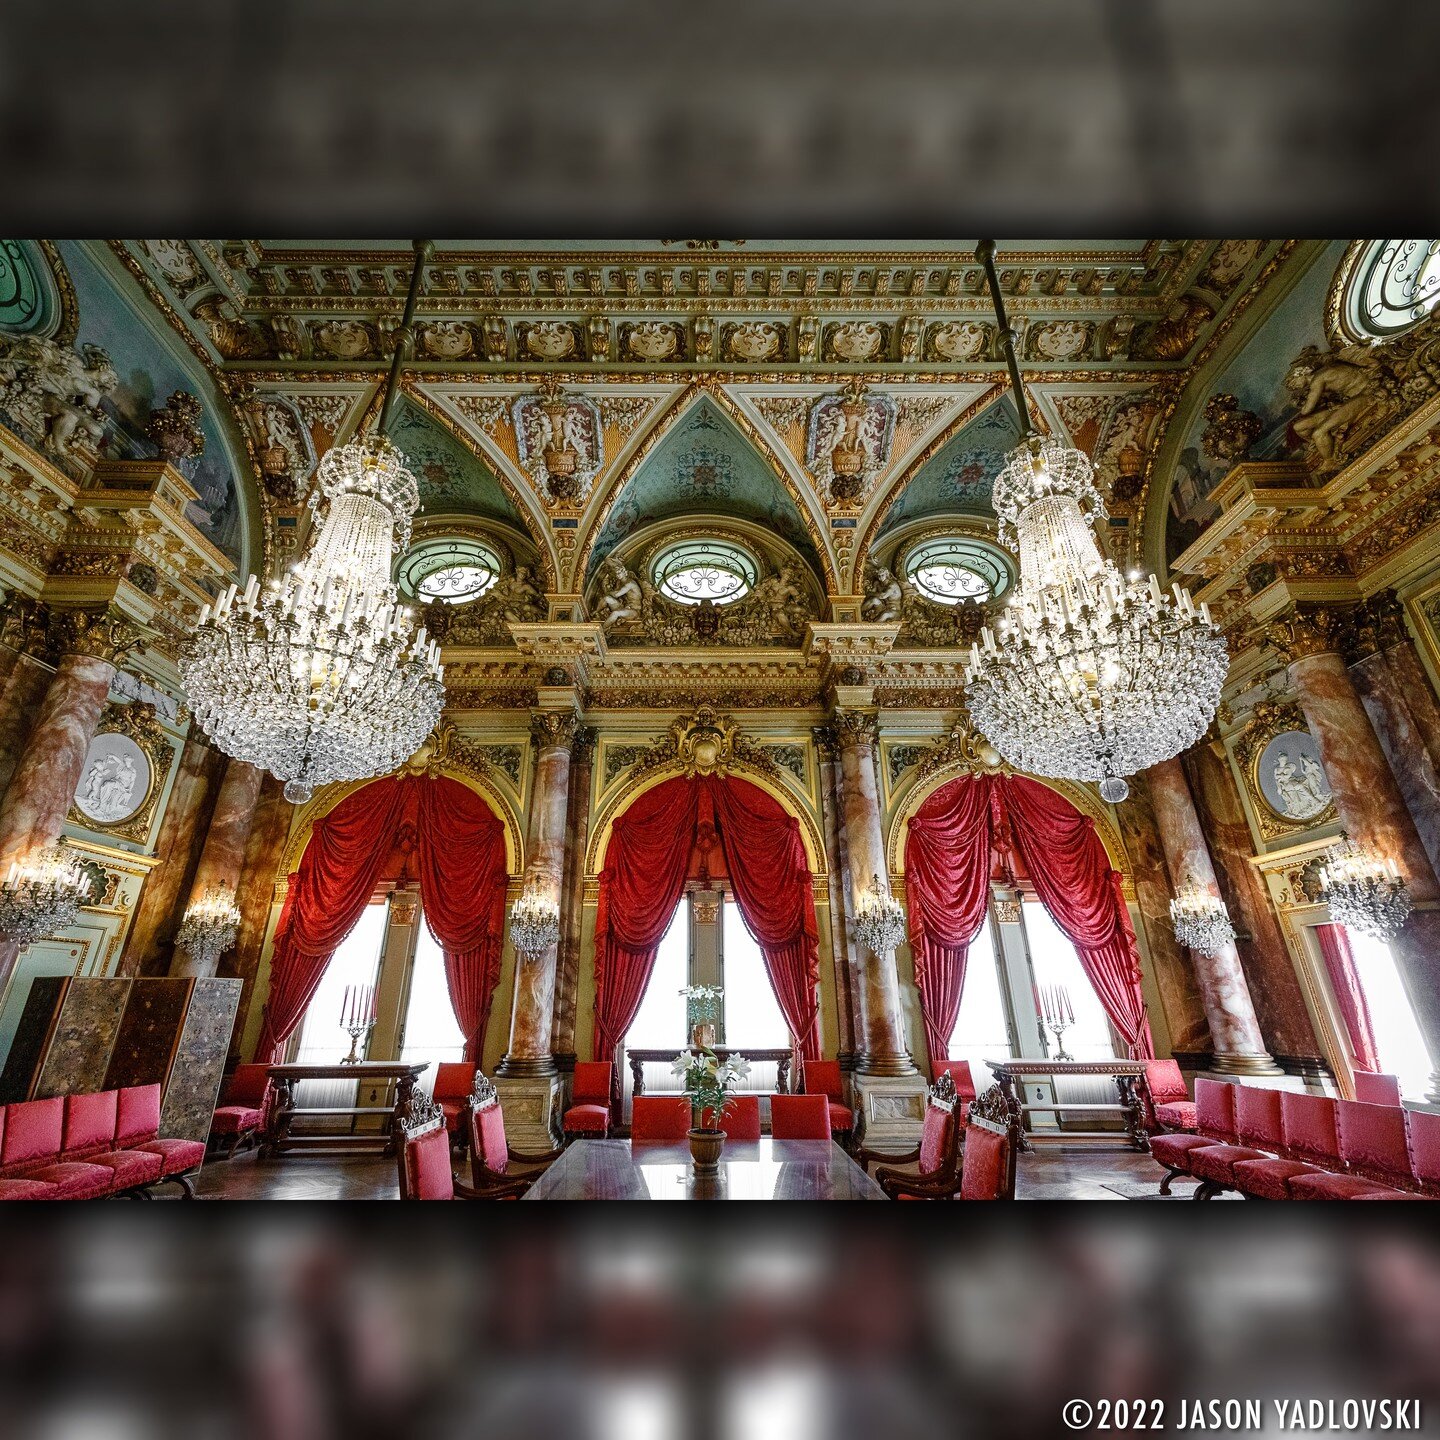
[1307, 630]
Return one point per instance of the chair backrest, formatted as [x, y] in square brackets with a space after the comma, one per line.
[1257, 1117]
[800, 1117]
[1374, 1088]
[487, 1126]
[1166, 1082]
[138, 1114]
[938, 1148]
[90, 1122]
[1215, 1108]
[1422, 1129]
[987, 1171]
[247, 1085]
[1309, 1125]
[1373, 1141]
[591, 1082]
[822, 1077]
[959, 1071]
[660, 1117]
[424, 1160]
[740, 1119]
[453, 1079]
[34, 1130]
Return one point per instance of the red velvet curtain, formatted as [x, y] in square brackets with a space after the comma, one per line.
[461, 852]
[643, 879]
[645, 871]
[947, 887]
[1349, 994]
[1071, 872]
[771, 879]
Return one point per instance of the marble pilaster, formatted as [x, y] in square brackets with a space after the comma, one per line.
[20, 696]
[223, 854]
[1372, 808]
[572, 905]
[1229, 1010]
[835, 864]
[533, 1011]
[881, 1028]
[32, 814]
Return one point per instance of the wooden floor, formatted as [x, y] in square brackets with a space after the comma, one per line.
[1051, 1174]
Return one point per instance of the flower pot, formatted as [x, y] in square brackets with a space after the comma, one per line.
[705, 1148]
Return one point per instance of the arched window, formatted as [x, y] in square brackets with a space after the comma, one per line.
[1392, 287]
[690, 571]
[951, 569]
[455, 570]
[29, 302]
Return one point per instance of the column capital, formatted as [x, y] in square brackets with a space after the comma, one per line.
[1377, 624]
[1306, 630]
[25, 626]
[582, 748]
[826, 741]
[106, 634]
[554, 729]
[856, 727]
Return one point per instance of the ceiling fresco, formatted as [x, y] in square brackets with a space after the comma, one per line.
[451, 477]
[704, 465]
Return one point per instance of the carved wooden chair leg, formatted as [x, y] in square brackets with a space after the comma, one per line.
[1206, 1190]
[1170, 1174]
[186, 1184]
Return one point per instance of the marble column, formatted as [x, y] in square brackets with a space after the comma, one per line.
[826, 746]
[27, 665]
[532, 1015]
[1390, 681]
[880, 1028]
[1370, 804]
[572, 907]
[1234, 1028]
[33, 812]
[223, 855]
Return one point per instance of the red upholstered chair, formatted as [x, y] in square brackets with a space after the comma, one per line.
[424, 1158]
[1215, 1121]
[740, 1120]
[938, 1153]
[1167, 1100]
[30, 1149]
[497, 1171]
[1259, 1134]
[589, 1112]
[1373, 1148]
[240, 1115]
[959, 1071]
[453, 1079]
[659, 1117]
[137, 1126]
[987, 1171]
[1422, 1129]
[90, 1125]
[823, 1077]
[799, 1117]
[1312, 1143]
[1376, 1089]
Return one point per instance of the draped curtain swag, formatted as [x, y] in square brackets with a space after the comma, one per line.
[948, 853]
[646, 866]
[460, 865]
[1349, 994]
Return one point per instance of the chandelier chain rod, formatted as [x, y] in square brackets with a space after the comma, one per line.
[405, 336]
[985, 254]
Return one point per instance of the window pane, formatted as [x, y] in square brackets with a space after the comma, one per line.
[981, 1030]
[752, 1014]
[1397, 1035]
[661, 1021]
[1054, 961]
[431, 1031]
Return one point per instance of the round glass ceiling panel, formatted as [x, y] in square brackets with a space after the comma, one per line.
[455, 571]
[953, 569]
[690, 571]
[1394, 287]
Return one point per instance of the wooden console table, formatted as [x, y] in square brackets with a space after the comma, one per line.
[1124, 1072]
[640, 1058]
[283, 1112]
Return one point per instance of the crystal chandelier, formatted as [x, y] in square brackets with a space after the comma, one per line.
[43, 893]
[209, 927]
[534, 923]
[1088, 675]
[1201, 921]
[322, 675]
[1364, 893]
[879, 918]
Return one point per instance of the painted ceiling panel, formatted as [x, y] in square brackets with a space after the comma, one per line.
[451, 477]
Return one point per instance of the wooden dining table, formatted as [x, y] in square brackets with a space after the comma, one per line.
[764, 1169]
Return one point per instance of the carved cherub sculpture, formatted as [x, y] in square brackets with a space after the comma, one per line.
[57, 391]
[1336, 390]
[884, 595]
[621, 598]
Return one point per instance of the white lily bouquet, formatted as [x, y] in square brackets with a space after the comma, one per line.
[708, 1081]
[702, 1002]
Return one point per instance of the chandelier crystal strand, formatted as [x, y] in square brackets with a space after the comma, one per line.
[1201, 921]
[1365, 893]
[1088, 675]
[322, 675]
[879, 919]
[209, 927]
[43, 893]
